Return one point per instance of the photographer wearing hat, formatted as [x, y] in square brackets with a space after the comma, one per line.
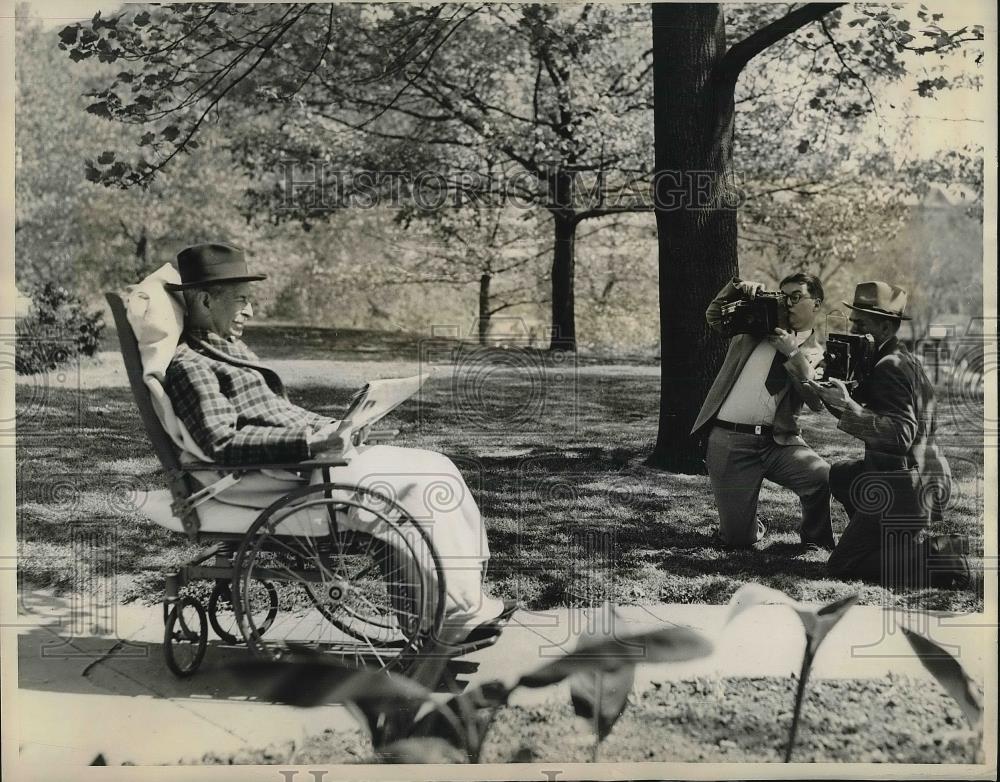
[891, 494]
[750, 414]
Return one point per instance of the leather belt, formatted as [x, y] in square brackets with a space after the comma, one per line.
[759, 429]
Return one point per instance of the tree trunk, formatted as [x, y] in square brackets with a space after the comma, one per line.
[695, 215]
[563, 260]
[484, 307]
[142, 250]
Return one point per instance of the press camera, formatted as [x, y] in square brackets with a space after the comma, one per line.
[758, 316]
[849, 357]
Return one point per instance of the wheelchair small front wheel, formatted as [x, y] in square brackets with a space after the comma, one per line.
[185, 636]
[262, 598]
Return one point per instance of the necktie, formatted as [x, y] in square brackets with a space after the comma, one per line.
[776, 375]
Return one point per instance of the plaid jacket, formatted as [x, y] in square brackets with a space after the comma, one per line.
[235, 408]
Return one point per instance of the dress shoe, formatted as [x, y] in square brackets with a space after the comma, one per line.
[480, 624]
[494, 626]
[947, 562]
[719, 542]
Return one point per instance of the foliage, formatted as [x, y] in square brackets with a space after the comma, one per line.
[57, 330]
[73, 230]
[817, 228]
[823, 160]
[600, 671]
[616, 285]
[950, 675]
[551, 89]
[401, 730]
[937, 258]
[834, 115]
[375, 89]
[552, 95]
[959, 166]
[490, 250]
[398, 73]
[817, 623]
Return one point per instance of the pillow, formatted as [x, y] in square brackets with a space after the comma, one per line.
[156, 316]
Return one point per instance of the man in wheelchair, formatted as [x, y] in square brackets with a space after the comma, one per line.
[236, 411]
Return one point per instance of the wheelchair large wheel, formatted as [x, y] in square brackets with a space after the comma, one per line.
[222, 616]
[362, 559]
[185, 636]
[372, 595]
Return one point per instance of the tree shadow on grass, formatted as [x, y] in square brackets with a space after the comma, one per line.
[545, 488]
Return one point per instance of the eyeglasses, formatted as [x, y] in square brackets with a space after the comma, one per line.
[795, 298]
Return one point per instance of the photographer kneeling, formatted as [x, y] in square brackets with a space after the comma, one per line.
[750, 411]
[891, 494]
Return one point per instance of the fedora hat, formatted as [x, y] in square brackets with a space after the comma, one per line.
[880, 298]
[211, 264]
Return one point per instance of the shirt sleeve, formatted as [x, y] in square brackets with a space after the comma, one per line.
[214, 423]
[309, 418]
[801, 369]
[713, 315]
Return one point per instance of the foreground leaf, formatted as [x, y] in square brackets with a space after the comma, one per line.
[601, 696]
[670, 644]
[751, 595]
[315, 683]
[816, 622]
[461, 721]
[949, 673]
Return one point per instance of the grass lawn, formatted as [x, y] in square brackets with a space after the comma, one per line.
[554, 455]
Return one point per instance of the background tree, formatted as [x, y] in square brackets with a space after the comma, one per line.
[695, 79]
[490, 249]
[380, 87]
[553, 95]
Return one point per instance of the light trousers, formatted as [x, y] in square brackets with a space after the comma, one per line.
[738, 463]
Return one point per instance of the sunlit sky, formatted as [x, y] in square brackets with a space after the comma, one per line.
[951, 119]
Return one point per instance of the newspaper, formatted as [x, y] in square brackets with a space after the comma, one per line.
[375, 400]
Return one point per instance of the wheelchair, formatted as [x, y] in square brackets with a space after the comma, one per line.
[328, 568]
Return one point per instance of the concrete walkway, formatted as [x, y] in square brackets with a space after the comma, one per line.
[108, 690]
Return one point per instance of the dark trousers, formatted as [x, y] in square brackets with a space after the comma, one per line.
[882, 543]
[737, 465]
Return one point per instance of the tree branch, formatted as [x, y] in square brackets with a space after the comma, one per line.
[848, 68]
[509, 304]
[265, 49]
[611, 210]
[741, 52]
[430, 58]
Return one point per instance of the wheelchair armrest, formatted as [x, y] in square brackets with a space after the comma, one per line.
[309, 464]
